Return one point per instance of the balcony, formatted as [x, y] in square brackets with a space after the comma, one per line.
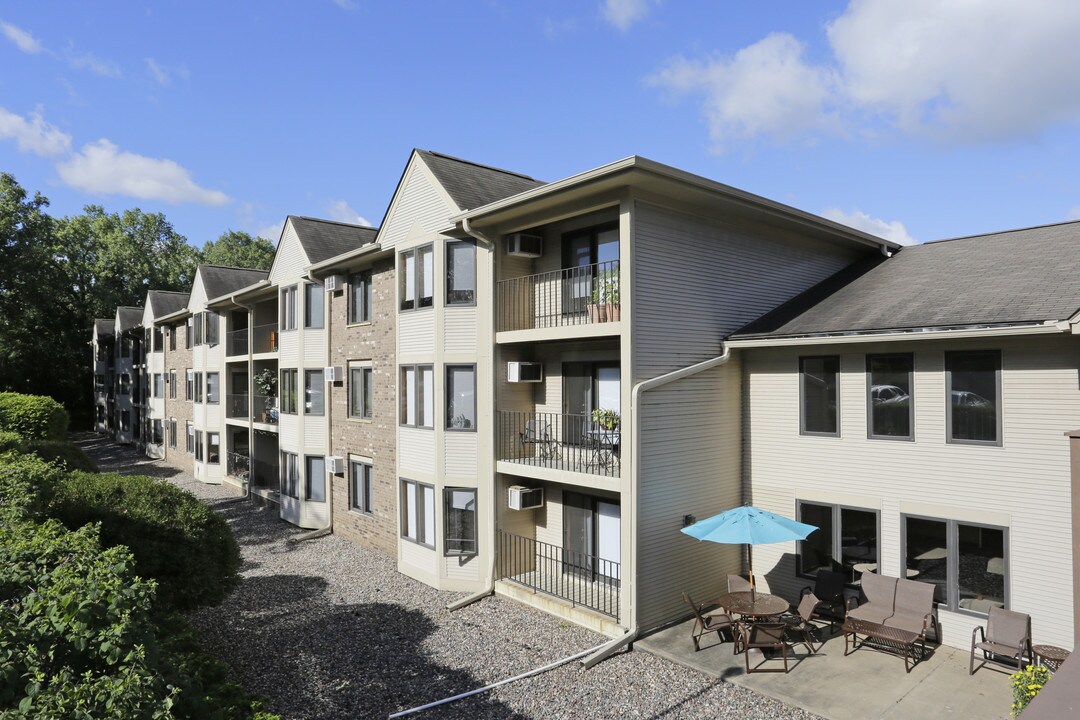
[580, 579]
[236, 406]
[238, 465]
[586, 295]
[265, 338]
[264, 409]
[571, 443]
[236, 342]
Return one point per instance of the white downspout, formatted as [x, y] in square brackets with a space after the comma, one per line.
[635, 463]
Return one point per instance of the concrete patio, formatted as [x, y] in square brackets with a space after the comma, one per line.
[866, 684]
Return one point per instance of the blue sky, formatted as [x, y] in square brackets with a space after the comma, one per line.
[917, 121]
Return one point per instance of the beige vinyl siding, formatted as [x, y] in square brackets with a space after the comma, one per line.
[290, 260]
[1024, 484]
[690, 457]
[315, 434]
[315, 349]
[289, 432]
[416, 557]
[416, 333]
[698, 280]
[288, 349]
[459, 330]
[460, 451]
[419, 207]
[516, 522]
[462, 569]
[416, 453]
[549, 527]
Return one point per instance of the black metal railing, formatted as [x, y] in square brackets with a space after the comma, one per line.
[265, 338]
[238, 465]
[573, 296]
[559, 442]
[264, 408]
[236, 405]
[579, 578]
[236, 342]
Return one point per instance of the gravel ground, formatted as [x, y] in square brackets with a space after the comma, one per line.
[327, 629]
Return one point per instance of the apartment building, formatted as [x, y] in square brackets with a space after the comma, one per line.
[155, 377]
[127, 375]
[102, 345]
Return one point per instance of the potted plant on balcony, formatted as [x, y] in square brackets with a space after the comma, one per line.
[605, 297]
[606, 419]
[266, 381]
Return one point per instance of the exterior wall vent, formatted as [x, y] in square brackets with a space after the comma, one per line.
[523, 498]
[524, 245]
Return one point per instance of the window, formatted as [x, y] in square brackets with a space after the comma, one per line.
[418, 513]
[288, 392]
[973, 386]
[416, 392]
[189, 333]
[417, 278]
[198, 445]
[846, 540]
[198, 387]
[360, 392]
[125, 420]
[290, 475]
[159, 432]
[172, 384]
[125, 347]
[213, 388]
[189, 393]
[125, 384]
[313, 305]
[360, 494]
[461, 397]
[315, 485]
[460, 521]
[288, 308]
[172, 432]
[889, 410]
[819, 395]
[172, 336]
[460, 273]
[213, 455]
[314, 392]
[198, 328]
[190, 437]
[213, 322]
[159, 385]
[360, 297]
[967, 563]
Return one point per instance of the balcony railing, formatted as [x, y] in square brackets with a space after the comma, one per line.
[579, 578]
[236, 406]
[238, 466]
[236, 342]
[575, 296]
[559, 442]
[264, 408]
[265, 338]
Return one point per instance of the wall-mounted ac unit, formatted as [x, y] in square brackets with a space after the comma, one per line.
[523, 498]
[524, 245]
[334, 282]
[524, 372]
[334, 373]
[335, 465]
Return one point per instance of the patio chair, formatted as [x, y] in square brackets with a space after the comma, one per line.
[765, 636]
[539, 436]
[828, 588]
[737, 583]
[717, 621]
[1005, 640]
[799, 627]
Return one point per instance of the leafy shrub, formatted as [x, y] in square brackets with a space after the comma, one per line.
[35, 417]
[177, 540]
[27, 483]
[1026, 684]
[54, 451]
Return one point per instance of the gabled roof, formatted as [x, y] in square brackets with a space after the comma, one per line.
[166, 302]
[104, 327]
[1018, 277]
[218, 280]
[129, 317]
[324, 239]
[471, 185]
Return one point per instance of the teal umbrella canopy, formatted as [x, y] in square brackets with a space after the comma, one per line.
[748, 525]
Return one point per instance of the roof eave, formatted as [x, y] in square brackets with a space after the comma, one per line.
[245, 293]
[1046, 328]
[371, 251]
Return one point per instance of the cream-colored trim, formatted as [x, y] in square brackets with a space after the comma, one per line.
[952, 512]
[830, 497]
[563, 477]
[566, 332]
[961, 333]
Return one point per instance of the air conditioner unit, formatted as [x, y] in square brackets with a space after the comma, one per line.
[524, 245]
[524, 372]
[334, 373]
[523, 498]
[335, 465]
[334, 282]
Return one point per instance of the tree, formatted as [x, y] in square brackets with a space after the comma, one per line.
[238, 249]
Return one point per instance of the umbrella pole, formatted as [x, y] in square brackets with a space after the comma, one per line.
[750, 567]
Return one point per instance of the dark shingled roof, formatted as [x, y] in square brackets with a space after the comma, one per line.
[104, 327]
[324, 239]
[166, 302]
[1015, 277]
[129, 317]
[218, 280]
[471, 185]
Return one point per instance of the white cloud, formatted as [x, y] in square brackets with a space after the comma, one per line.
[859, 220]
[624, 13]
[101, 168]
[271, 232]
[22, 38]
[35, 134]
[766, 88]
[158, 73]
[339, 210]
[96, 65]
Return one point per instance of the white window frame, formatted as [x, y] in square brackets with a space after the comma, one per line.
[418, 513]
[287, 300]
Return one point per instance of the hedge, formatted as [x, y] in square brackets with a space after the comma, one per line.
[176, 539]
[55, 451]
[35, 417]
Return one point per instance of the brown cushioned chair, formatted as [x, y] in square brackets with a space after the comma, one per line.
[716, 621]
[1005, 640]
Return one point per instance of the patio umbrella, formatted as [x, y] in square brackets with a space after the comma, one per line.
[748, 525]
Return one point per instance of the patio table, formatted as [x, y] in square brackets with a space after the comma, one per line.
[1049, 655]
[753, 605]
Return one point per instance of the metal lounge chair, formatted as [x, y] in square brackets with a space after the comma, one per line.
[717, 621]
[765, 636]
[828, 588]
[1005, 640]
[539, 436]
[800, 628]
[737, 583]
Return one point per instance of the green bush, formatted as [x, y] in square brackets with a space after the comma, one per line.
[54, 451]
[176, 539]
[35, 417]
[27, 484]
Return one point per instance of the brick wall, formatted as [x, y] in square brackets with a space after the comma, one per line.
[376, 438]
[179, 360]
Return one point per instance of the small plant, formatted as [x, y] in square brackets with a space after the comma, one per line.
[460, 421]
[266, 381]
[1026, 684]
[607, 419]
[606, 288]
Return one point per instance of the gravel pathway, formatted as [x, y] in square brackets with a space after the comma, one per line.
[327, 629]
